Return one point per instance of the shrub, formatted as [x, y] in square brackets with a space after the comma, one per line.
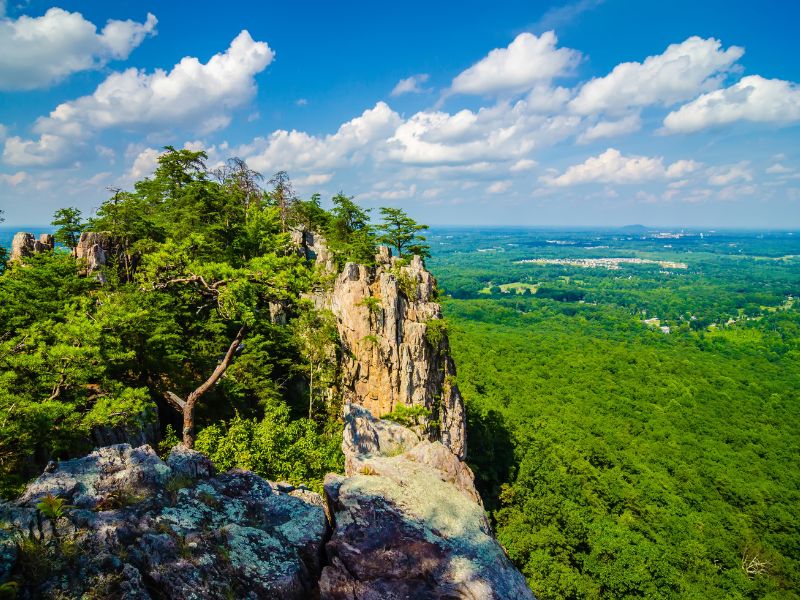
[435, 332]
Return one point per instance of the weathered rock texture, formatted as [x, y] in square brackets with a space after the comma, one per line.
[140, 528]
[312, 246]
[409, 523]
[25, 244]
[395, 351]
[95, 248]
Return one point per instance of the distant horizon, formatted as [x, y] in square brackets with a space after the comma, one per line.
[702, 228]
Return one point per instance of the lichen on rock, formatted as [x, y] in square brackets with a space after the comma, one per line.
[147, 529]
[409, 525]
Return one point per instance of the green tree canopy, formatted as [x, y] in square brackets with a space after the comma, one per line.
[69, 225]
[401, 232]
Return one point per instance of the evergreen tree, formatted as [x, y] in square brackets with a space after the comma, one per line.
[69, 226]
[400, 231]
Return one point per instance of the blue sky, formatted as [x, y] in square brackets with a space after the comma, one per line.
[523, 113]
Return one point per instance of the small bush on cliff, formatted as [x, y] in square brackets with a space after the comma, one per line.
[435, 332]
[409, 416]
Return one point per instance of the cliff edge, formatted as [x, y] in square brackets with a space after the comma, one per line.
[404, 522]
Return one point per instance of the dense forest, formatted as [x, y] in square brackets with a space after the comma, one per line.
[618, 460]
[633, 424]
[201, 280]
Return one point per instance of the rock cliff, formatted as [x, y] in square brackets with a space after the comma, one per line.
[408, 522]
[404, 522]
[396, 350]
[25, 244]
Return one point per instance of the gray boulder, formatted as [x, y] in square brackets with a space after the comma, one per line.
[139, 528]
[25, 244]
[408, 523]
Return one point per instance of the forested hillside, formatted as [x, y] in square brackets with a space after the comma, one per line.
[619, 460]
[632, 397]
[182, 315]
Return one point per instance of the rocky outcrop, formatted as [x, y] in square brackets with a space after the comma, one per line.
[140, 528]
[94, 247]
[405, 521]
[409, 523]
[312, 246]
[25, 244]
[395, 348]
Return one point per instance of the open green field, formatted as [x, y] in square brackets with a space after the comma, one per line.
[517, 287]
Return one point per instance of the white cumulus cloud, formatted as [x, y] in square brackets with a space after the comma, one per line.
[144, 164]
[14, 179]
[193, 95]
[729, 174]
[36, 52]
[752, 99]
[779, 169]
[604, 129]
[523, 164]
[410, 85]
[527, 60]
[499, 187]
[353, 142]
[681, 72]
[612, 167]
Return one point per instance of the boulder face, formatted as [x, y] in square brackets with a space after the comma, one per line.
[408, 523]
[312, 246]
[404, 522]
[25, 244]
[94, 247]
[140, 528]
[395, 350]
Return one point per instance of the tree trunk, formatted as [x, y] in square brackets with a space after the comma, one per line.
[191, 399]
[311, 390]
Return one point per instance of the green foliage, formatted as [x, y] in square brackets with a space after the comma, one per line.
[435, 332]
[409, 416]
[275, 447]
[129, 406]
[196, 257]
[69, 226]
[406, 282]
[52, 507]
[400, 231]
[349, 233]
[619, 461]
[169, 440]
[373, 304]
[8, 590]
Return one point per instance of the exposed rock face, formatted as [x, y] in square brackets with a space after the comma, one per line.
[313, 247]
[94, 247]
[395, 350]
[407, 520]
[144, 529]
[409, 523]
[25, 244]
